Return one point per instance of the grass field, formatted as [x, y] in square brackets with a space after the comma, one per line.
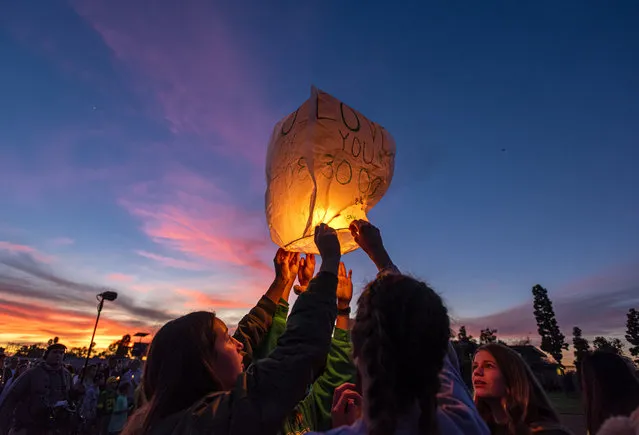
[566, 404]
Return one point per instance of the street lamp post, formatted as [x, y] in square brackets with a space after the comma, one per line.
[108, 296]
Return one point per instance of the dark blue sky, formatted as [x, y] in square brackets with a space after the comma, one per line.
[133, 143]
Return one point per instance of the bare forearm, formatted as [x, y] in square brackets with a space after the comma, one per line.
[342, 322]
[276, 289]
[381, 259]
[287, 290]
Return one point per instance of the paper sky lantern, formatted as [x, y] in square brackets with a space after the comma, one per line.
[326, 163]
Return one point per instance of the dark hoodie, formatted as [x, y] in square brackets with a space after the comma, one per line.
[269, 390]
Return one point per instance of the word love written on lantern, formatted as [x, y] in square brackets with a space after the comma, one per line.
[326, 163]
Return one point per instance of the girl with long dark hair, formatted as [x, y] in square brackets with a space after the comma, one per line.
[609, 388]
[194, 377]
[409, 381]
[508, 396]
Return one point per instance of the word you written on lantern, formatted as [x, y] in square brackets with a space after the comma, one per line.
[326, 163]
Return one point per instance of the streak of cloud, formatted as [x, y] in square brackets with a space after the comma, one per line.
[198, 300]
[120, 277]
[23, 277]
[170, 261]
[598, 308]
[24, 249]
[189, 215]
[216, 97]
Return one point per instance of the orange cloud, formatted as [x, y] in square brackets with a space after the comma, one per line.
[34, 293]
[31, 322]
[202, 301]
[24, 249]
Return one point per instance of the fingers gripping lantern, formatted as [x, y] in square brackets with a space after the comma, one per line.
[326, 163]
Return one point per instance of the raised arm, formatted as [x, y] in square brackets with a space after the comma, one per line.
[305, 270]
[253, 328]
[453, 400]
[369, 239]
[316, 406]
[277, 383]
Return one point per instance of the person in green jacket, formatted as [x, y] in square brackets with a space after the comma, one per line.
[194, 376]
[314, 412]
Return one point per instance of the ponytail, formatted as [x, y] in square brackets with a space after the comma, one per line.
[399, 315]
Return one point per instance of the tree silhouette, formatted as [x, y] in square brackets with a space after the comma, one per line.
[580, 344]
[78, 352]
[463, 336]
[632, 332]
[613, 345]
[487, 336]
[523, 342]
[552, 340]
[30, 351]
[465, 346]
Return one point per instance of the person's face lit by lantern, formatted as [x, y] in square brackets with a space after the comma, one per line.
[488, 380]
[228, 355]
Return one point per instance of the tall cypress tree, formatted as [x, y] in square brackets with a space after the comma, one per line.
[552, 340]
[632, 332]
[579, 344]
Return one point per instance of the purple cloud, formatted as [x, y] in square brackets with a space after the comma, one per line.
[200, 80]
[597, 304]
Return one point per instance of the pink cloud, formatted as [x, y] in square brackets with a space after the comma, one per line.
[120, 277]
[24, 249]
[171, 262]
[201, 80]
[190, 215]
[599, 307]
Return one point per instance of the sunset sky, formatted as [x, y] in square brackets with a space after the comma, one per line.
[133, 139]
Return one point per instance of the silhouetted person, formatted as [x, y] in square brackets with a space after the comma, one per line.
[609, 388]
[38, 401]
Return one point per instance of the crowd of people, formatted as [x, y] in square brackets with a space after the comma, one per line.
[390, 371]
[48, 396]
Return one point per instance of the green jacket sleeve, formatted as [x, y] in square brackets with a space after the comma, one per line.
[339, 369]
[277, 328]
[252, 329]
